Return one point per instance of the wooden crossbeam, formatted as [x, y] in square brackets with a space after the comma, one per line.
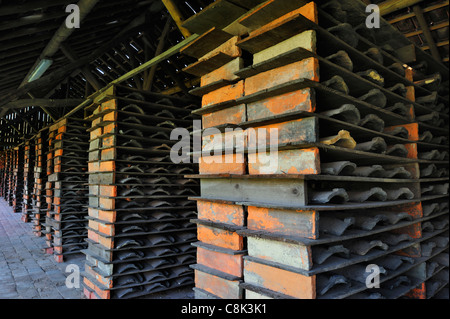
[390, 6]
[426, 32]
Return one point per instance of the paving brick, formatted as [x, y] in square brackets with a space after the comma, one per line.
[26, 272]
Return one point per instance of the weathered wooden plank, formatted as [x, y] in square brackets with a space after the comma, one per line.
[221, 213]
[217, 283]
[280, 60]
[202, 67]
[292, 192]
[269, 11]
[289, 254]
[218, 14]
[306, 161]
[279, 280]
[281, 29]
[296, 223]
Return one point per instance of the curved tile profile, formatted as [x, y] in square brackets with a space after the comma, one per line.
[335, 226]
[433, 286]
[134, 191]
[400, 109]
[398, 131]
[320, 254]
[375, 54]
[165, 113]
[395, 217]
[128, 280]
[156, 192]
[345, 32]
[444, 206]
[441, 242]
[128, 243]
[334, 8]
[431, 155]
[428, 171]
[375, 193]
[135, 96]
[132, 217]
[373, 122]
[357, 272]
[441, 172]
[430, 118]
[325, 283]
[132, 168]
[398, 150]
[132, 120]
[347, 113]
[337, 83]
[372, 76]
[368, 222]
[398, 172]
[397, 282]
[440, 223]
[429, 209]
[344, 168]
[132, 143]
[399, 89]
[440, 189]
[427, 227]
[376, 145]
[130, 180]
[428, 190]
[342, 59]
[401, 193]
[426, 137]
[129, 254]
[427, 248]
[336, 195]
[431, 267]
[127, 267]
[151, 276]
[393, 262]
[398, 68]
[439, 140]
[369, 171]
[362, 247]
[375, 97]
[133, 108]
[159, 203]
[342, 139]
[393, 239]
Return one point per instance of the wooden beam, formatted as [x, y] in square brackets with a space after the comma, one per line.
[425, 10]
[390, 6]
[25, 120]
[176, 16]
[426, 32]
[72, 56]
[61, 73]
[431, 28]
[29, 6]
[43, 102]
[148, 80]
[163, 56]
[63, 32]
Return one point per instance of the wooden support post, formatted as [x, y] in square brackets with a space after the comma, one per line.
[426, 32]
[72, 56]
[148, 81]
[177, 17]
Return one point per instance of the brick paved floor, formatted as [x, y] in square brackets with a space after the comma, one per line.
[26, 272]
